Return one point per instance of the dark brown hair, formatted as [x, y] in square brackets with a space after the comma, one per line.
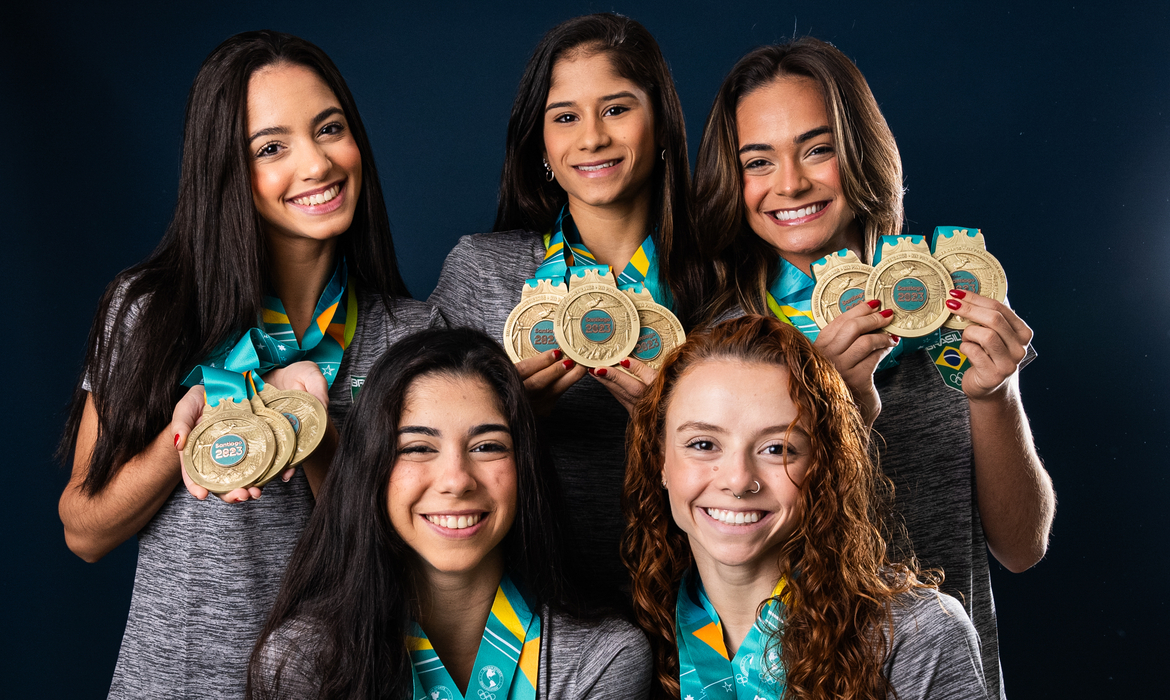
[867, 157]
[837, 620]
[529, 202]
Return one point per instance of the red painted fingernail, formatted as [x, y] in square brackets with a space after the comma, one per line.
[176, 439]
[954, 305]
[958, 293]
[601, 371]
[557, 354]
[874, 303]
[625, 363]
[886, 313]
[894, 338]
[568, 364]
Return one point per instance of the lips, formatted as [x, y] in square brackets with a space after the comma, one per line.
[798, 215]
[456, 524]
[598, 168]
[322, 200]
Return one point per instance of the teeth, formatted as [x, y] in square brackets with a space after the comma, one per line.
[595, 168]
[731, 517]
[454, 522]
[788, 215]
[321, 198]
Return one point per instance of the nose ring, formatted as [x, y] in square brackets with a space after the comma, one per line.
[740, 495]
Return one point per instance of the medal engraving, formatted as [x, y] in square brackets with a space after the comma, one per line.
[308, 418]
[529, 328]
[229, 449]
[912, 284]
[963, 253]
[595, 324]
[660, 331]
[841, 279]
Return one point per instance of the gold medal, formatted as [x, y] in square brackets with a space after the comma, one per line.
[282, 431]
[529, 328]
[305, 414]
[913, 285]
[660, 332]
[596, 324]
[841, 279]
[964, 254]
[230, 448]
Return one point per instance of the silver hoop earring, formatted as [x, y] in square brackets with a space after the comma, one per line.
[663, 156]
[549, 176]
[740, 495]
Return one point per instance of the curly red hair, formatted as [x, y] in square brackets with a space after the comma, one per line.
[837, 619]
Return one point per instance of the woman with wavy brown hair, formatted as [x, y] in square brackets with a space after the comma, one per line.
[753, 535]
[796, 163]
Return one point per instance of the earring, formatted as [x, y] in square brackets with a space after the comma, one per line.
[663, 156]
[663, 481]
[549, 176]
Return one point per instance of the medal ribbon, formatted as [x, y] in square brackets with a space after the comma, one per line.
[506, 665]
[274, 344]
[705, 669]
[564, 250]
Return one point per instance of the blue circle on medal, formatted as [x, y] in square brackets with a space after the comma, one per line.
[229, 450]
[965, 281]
[909, 294]
[491, 678]
[542, 338]
[597, 326]
[850, 298]
[649, 344]
[293, 421]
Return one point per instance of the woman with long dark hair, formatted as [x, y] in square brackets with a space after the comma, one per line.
[280, 230]
[431, 567]
[797, 162]
[754, 535]
[595, 173]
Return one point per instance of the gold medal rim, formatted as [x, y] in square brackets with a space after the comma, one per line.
[624, 301]
[210, 418]
[320, 414]
[285, 438]
[826, 278]
[936, 267]
[526, 303]
[672, 321]
[954, 322]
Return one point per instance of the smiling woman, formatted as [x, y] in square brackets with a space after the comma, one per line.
[432, 566]
[279, 234]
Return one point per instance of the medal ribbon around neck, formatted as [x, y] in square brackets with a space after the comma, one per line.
[275, 345]
[506, 665]
[564, 250]
[705, 669]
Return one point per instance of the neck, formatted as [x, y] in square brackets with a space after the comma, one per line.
[850, 238]
[454, 611]
[736, 593]
[299, 270]
[613, 232]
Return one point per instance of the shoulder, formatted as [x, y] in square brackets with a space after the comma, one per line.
[491, 254]
[606, 657]
[404, 315]
[500, 242]
[935, 651]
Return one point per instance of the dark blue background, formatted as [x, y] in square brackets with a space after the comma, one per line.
[1048, 127]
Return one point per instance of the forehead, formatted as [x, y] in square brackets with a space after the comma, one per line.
[451, 398]
[587, 73]
[781, 110]
[281, 93]
[732, 394]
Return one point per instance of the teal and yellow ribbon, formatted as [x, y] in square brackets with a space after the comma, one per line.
[506, 665]
[706, 670]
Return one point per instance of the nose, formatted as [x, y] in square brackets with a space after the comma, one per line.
[454, 475]
[314, 162]
[594, 135]
[790, 179]
[736, 472]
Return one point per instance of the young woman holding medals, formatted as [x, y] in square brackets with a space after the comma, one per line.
[279, 251]
[797, 162]
[753, 538]
[431, 566]
[595, 177]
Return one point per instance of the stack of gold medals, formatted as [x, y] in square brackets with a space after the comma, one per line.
[910, 280]
[242, 442]
[592, 321]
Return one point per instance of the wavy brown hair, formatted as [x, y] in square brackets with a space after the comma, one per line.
[867, 158]
[837, 617]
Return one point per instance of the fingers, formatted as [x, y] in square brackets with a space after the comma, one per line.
[300, 376]
[193, 488]
[835, 338]
[992, 314]
[862, 350]
[530, 366]
[288, 474]
[552, 375]
[628, 383]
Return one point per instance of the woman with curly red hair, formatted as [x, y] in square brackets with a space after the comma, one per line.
[753, 535]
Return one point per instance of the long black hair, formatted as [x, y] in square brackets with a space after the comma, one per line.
[529, 202]
[204, 283]
[350, 579]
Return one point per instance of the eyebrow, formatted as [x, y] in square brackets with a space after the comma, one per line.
[418, 430]
[488, 428]
[709, 428]
[810, 134]
[432, 432]
[273, 130]
[604, 98]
